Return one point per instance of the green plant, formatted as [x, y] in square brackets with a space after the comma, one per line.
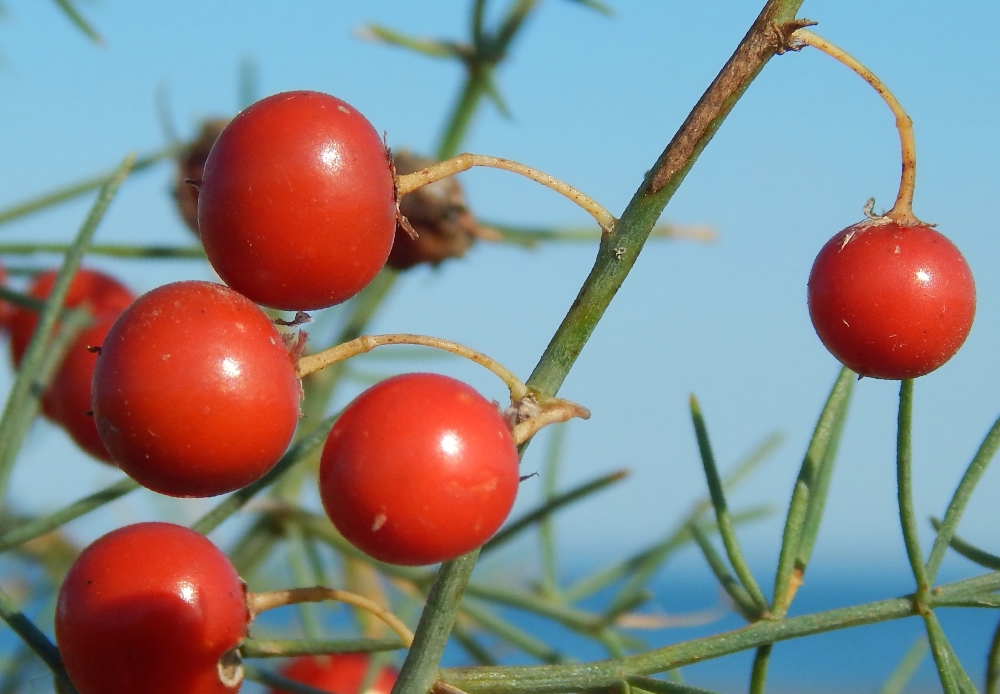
[452, 603]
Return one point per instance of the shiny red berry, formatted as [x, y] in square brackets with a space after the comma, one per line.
[152, 608]
[195, 392]
[891, 302]
[419, 469]
[297, 203]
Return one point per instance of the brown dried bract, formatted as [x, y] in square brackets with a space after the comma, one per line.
[190, 167]
[445, 228]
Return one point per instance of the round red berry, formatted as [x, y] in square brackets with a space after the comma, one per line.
[153, 608]
[67, 400]
[195, 392]
[297, 204]
[337, 674]
[889, 301]
[419, 469]
[100, 293]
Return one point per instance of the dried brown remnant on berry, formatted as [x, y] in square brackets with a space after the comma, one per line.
[190, 167]
[437, 212]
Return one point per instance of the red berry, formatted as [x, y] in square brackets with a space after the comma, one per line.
[195, 393]
[101, 293]
[67, 401]
[419, 469]
[297, 204]
[889, 301]
[151, 608]
[338, 674]
[7, 310]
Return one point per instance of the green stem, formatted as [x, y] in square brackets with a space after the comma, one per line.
[744, 603]
[475, 650]
[646, 563]
[758, 674]
[420, 669]
[822, 451]
[907, 668]
[783, 589]
[298, 452]
[904, 482]
[993, 664]
[77, 189]
[620, 249]
[551, 679]
[550, 506]
[255, 648]
[726, 528]
[531, 645]
[941, 653]
[117, 250]
[461, 116]
[20, 410]
[549, 585]
[46, 524]
[969, 551]
[34, 639]
[617, 255]
[960, 499]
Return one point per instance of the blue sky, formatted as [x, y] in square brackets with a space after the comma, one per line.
[594, 100]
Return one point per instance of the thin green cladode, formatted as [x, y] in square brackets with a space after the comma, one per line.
[907, 667]
[22, 403]
[960, 499]
[727, 531]
[83, 187]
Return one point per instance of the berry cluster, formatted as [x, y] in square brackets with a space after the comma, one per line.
[192, 390]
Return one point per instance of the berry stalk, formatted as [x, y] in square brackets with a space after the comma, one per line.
[261, 602]
[902, 209]
[407, 183]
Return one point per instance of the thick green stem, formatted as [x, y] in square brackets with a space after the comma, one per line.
[617, 255]
[420, 669]
[758, 674]
[620, 249]
[542, 679]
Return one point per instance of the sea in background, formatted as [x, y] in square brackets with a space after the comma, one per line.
[856, 660]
